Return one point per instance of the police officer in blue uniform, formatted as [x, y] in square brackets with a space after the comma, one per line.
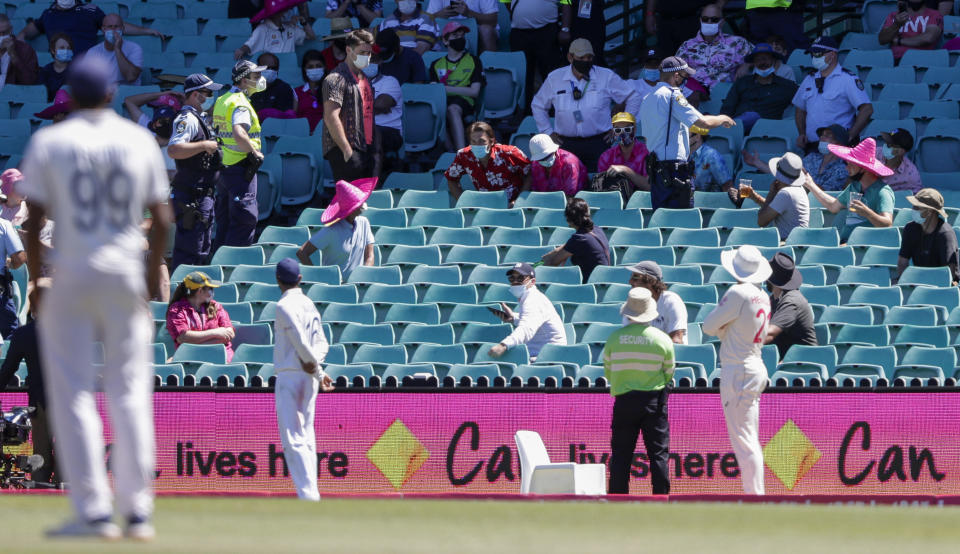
[665, 118]
[194, 148]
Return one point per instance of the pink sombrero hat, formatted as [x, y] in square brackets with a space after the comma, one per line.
[273, 7]
[61, 104]
[864, 155]
[349, 197]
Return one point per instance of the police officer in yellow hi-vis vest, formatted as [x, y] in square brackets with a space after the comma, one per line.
[238, 132]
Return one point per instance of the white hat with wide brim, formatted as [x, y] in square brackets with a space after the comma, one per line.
[746, 264]
[640, 306]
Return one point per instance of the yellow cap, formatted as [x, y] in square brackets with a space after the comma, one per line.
[699, 130]
[198, 279]
[624, 117]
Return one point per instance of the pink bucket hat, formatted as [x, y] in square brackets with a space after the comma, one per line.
[8, 178]
[61, 103]
[348, 198]
[864, 155]
[167, 100]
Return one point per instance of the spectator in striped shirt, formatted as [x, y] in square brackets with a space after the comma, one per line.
[638, 361]
[415, 29]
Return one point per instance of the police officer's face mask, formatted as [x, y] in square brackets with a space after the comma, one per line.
[207, 103]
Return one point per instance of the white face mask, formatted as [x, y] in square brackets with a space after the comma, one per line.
[363, 60]
[548, 161]
[111, 35]
[66, 4]
[407, 7]
[270, 75]
[764, 72]
[819, 62]
[709, 29]
[315, 74]
[517, 290]
[260, 85]
[917, 216]
[823, 147]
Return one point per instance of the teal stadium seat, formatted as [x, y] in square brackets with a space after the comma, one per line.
[222, 375]
[424, 115]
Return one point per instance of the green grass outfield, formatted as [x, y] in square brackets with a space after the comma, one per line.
[232, 524]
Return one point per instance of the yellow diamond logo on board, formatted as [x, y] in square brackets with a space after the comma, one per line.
[790, 454]
[398, 454]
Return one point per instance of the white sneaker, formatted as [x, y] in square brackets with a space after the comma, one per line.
[93, 529]
[140, 531]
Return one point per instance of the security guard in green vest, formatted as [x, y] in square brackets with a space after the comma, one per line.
[238, 132]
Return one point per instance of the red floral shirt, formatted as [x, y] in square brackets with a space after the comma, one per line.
[505, 170]
[614, 156]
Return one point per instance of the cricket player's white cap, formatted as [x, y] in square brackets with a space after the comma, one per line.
[746, 264]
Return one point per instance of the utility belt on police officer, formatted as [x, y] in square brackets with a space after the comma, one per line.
[671, 173]
[187, 200]
[6, 283]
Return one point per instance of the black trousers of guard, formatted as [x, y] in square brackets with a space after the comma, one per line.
[638, 413]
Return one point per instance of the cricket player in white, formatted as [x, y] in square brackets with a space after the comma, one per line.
[94, 174]
[299, 350]
[740, 320]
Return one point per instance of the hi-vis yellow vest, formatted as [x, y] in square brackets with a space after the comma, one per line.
[223, 126]
[768, 4]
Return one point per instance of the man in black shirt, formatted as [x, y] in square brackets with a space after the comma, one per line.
[791, 320]
[763, 94]
[928, 240]
[278, 95]
[23, 346]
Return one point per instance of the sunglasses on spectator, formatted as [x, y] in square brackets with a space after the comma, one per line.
[818, 54]
[516, 278]
[711, 19]
[623, 130]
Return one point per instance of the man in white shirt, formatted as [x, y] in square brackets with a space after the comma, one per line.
[387, 116]
[538, 322]
[671, 311]
[126, 58]
[347, 239]
[740, 320]
[786, 205]
[279, 31]
[95, 174]
[581, 95]
[298, 351]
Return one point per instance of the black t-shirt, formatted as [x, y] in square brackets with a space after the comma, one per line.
[49, 78]
[793, 315]
[278, 95]
[589, 249]
[406, 67]
[937, 249]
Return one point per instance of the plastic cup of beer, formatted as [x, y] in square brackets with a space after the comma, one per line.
[746, 188]
[854, 196]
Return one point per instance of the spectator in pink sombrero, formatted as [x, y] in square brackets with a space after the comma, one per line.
[347, 240]
[867, 200]
[60, 108]
[14, 209]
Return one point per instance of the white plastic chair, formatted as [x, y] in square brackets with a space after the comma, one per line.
[540, 476]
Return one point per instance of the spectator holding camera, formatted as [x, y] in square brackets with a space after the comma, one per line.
[913, 26]
[928, 240]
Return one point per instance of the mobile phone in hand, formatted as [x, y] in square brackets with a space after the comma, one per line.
[499, 313]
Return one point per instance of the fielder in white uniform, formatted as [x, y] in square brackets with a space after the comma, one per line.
[299, 350]
[94, 174]
[740, 320]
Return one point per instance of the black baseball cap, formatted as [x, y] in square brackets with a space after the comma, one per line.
[522, 268]
[197, 81]
[824, 44]
[288, 271]
[898, 137]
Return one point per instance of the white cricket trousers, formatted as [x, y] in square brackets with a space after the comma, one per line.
[740, 389]
[296, 400]
[79, 309]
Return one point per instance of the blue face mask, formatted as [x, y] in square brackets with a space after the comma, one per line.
[315, 74]
[548, 161]
[480, 151]
[64, 55]
[763, 72]
[888, 152]
[111, 35]
[651, 75]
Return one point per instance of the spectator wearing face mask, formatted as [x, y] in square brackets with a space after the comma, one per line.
[125, 57]
[829, 96]
[627, 158]
[54, 74]
[554, 168]
[165, 107]
[414, 28]
[581, 95]
[280, 30]
[19, 65]
[484, 12]
[461, 74]
[905, 176]
[761, 95]
[277, 99]
[928, 240]
[912, 26]
[714, 55]
[674, 21]
[306, 100]
[364, 10]
[388, 117]
[490, 165]
[336, 50]
[786, 205]
[403, 64]
[826, 168]
[81, 21]
[349, 131]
